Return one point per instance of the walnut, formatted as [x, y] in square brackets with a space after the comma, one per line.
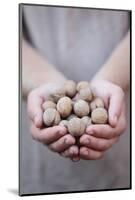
[51, 117]
[86, 120]
[64, 106]
[48, 104]
[81, 108]
[99, 116]
[70, 88]
[81, 85]
[76, 127]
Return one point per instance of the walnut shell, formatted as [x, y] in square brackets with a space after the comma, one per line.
[81, 108]
[64, 123]
[64, 106]
[48, 104]
[81, 85]
[86, 120]
[96, 103]
[85, 94]
[76, 127]
[57, 94]
[70, 88]
[99, 116]
[93, 105]
[71, 116]
[51, 117]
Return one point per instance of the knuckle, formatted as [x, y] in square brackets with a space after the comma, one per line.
[120, 91]
[104, 146]
[98, 144]
[35, 135]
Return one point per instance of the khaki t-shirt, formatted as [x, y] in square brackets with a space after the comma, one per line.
[77, 42]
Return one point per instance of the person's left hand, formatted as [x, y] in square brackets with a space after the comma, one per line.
[99, 138]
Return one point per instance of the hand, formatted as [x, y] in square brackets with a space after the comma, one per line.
[99, 138]
[56, 138]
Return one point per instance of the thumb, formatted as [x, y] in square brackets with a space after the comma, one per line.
[115, 107]
[34, 108]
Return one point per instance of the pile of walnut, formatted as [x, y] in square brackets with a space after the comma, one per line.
[74, 107]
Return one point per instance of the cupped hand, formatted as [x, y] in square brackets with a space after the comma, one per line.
[56, 137]
[99, 138]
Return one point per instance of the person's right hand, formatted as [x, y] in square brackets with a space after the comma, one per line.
[56, 137]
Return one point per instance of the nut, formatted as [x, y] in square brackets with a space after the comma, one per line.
[99, 102]
[81, 85]
[64, 106]
[76, 127]
[96, 103]
[48, 104]
[71, 116]
[51, 117]
[92, 105]
[64, 123]
[85, 94]
[81, 108]
[99, 116]
[55, 96]
[86, 120]
[70, 88]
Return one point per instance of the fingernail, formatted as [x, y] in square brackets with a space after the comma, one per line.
[75, 159]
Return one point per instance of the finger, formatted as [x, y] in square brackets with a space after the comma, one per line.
[106, 131]
[75, 158]
[101, 131]
[34, 108]
[47, 135]
[62, 144]
[98, 144]
[115, 107]
[90, 154]
[71, 151]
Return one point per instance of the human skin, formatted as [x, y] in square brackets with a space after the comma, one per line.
[100, 137]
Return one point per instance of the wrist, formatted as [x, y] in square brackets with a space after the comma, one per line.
[114, 78]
